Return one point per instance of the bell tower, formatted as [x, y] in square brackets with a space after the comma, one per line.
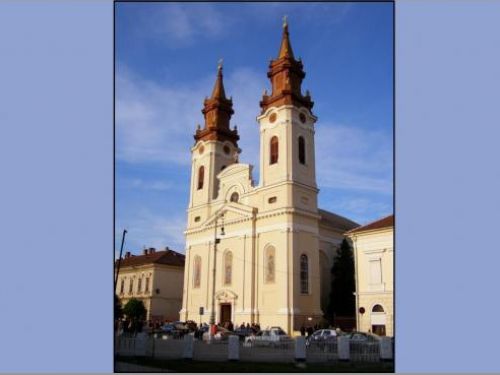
[287, 122]
[215, 146]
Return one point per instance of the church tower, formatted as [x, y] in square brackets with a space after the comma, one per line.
[287, 123]
[215, 146]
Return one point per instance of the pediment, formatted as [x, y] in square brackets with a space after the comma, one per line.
[232, 211]
[225, 294]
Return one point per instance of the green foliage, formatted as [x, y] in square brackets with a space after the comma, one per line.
[341, 301]
[134, 310]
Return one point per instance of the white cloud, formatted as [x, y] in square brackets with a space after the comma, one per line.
[140, 184]
[181, 24]
[148, 229]
[352, 158]
[156, 123]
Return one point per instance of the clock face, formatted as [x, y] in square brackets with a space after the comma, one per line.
[302, 118]
[273, 117]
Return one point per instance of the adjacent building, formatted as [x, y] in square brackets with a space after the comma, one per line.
[259, 252]
[156, 278]
[373, 246]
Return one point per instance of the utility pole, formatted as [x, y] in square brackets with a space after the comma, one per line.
[120, 258]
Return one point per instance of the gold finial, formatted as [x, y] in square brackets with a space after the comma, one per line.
[285, 23]
[219, 64]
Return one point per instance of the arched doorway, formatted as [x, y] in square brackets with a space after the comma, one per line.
[378, 320]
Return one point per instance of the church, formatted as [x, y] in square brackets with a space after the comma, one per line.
[259, 252]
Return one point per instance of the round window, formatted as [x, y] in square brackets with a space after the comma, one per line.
[227, 149]
[201, 149]
[302, 118]
[234, 197]
[273, 117]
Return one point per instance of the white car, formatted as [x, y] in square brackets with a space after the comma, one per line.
[321, 336]
[268, 337]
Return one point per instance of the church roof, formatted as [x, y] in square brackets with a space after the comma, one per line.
[337, 221]
[168, 257]
[385, 222]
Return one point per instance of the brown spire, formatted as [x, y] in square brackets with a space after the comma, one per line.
[217, 111]
[286, 47]
[286, 75]
[218, 91]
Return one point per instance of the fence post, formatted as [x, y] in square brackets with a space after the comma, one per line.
[300, 348]
[233, 348]
[343, 347]
[188, 347]
[386, 348]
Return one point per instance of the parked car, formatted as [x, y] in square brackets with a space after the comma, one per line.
[322, 336]
[268, 337]
[363, 337]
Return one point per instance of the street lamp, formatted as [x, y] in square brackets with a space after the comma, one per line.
[216, 241]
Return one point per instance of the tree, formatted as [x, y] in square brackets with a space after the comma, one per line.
[342, 302]
[136, 312]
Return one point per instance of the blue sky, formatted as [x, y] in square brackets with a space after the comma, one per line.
[166, 59]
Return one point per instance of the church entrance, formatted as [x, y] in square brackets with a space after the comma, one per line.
[225, 313]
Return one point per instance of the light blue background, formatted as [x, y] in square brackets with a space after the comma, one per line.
[56, 186]
[56, 200]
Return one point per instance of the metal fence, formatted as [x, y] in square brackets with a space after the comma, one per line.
[361, 351]
[166, 347]
[267, 351]
[322, 351]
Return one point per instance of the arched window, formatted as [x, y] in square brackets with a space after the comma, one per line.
[147, 284]
[274, 150]
[302, 150]
[228, 268]
[304, 274]
[201, 177]
[131, 286]
[234, 197]
[197, 271]
[139, 285]
[270, 261]
[122, 286]
[378, 308]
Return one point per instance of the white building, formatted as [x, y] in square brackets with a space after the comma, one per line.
[259, 252]
[373, 246]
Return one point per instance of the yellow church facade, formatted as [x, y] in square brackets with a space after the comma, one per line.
[259, 252]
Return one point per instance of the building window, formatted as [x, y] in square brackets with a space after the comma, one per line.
[122, 286]
[375, 271]
[274, 150]
[201, 177]
[235, 197]
[378, 309]
[270, 262]
[147, 284]
[197, 272]
[228, 268]
[304, 274]
[131, 286]
[139, 285]
[302, 150]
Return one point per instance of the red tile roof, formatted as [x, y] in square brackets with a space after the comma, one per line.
[385, 222]
[169, 257]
